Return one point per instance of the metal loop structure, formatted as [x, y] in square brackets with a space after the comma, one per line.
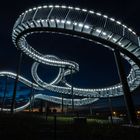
[84, 24]
[54, 99]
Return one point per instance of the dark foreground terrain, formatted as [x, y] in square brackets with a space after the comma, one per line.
[28, 126]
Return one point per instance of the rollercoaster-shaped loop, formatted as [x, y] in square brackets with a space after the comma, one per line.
[84, 24]
[54, 99]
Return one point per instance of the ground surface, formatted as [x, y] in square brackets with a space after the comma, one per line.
[28, 126]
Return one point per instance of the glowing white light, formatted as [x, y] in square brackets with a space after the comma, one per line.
[104, 33]
[112, 19]
[39, 7]
[86, 26]
[45, 6]
[70, 7]
[34, 8]
[30, 10]
[63, 6]
[84, 10]
[57, 20]
[134, 33]
[98, 31]
[114, 39]
[80, 25]
[118, 22]
[50, 6]
[63, 21]
[130, 29]
[75, 23]
[124, 26]
[120, 43]
[22, 14]
[77, 8]
[109, 36]
[57, 6]
[52, 20]
[99, 14]
[42, 20]
[68, 22]
[38, 21]
[105, 16]
[119, 86]
[92, 12]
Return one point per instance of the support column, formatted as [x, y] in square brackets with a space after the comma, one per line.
[41, 106]
[46, 111]
[110, 108]
[33, 101]
[31, 98]
[72, 93]
[62, 96]
[67, 109]
[127, 94]
[16, 82]
[90, 109]
[5, 90]
[30, 108]
[62, 109]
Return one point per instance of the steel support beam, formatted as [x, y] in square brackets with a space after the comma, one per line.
[110, 108]
[16, 82]
[72, 95]
[41, 106]
[127, 94]
[5, 90]
[62, 106]
[46, 110]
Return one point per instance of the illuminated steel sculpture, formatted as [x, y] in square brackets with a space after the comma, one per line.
[54, 99]
[84, 24]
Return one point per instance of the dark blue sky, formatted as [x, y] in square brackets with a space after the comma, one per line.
[97, 68]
